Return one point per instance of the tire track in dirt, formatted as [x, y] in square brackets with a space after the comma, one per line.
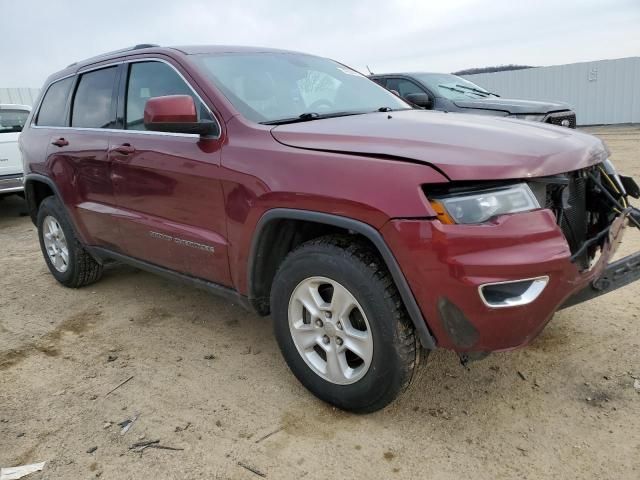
[48, 344]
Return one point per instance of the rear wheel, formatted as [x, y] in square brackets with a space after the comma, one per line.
[341, 325]
[67, 260]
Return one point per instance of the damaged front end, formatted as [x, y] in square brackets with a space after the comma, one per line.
[586, 203]
[504, 256]
[590, 206]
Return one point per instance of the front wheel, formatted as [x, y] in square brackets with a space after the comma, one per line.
[341, 325]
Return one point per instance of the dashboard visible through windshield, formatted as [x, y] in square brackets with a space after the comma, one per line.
[12, 120]
[284, 87]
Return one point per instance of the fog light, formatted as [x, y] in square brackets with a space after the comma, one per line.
[513, 293]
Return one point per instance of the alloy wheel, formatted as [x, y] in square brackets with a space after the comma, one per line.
[55, 244]
[330, 330]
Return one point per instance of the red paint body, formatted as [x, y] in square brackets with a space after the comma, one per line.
[170, 109]
[121, 187]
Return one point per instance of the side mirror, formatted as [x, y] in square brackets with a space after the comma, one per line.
[176, 114]
[419, 99]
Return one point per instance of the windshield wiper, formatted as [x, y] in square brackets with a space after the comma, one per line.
[476, 90]
[308, 116]
[389, 109]
[452, 89]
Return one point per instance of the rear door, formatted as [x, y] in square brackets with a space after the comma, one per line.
[77, 156]
[167, 184]
[73, 124]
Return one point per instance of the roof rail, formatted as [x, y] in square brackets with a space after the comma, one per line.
[145, 45]
[122, 50]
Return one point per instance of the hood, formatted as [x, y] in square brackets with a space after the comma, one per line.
[463, 147]
[511, 106]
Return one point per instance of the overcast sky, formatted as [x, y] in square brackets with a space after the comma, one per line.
[42, 36]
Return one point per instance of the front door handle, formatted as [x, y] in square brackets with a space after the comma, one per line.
[124, 149]
[61, 142]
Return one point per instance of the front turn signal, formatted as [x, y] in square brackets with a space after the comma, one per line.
[442, 214]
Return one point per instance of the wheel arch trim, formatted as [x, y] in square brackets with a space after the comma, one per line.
[415, 314]
[30, 178]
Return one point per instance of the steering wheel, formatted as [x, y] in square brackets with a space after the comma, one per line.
[321, 104]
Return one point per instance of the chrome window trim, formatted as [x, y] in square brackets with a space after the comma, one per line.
[538, 284]
[119, 130]
[144, 132]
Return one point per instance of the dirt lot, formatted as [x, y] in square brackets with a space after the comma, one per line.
[208, 379]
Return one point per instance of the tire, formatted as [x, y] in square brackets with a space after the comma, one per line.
[75, 268]
[374, 376]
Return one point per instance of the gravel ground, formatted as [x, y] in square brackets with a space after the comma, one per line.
[206, 377]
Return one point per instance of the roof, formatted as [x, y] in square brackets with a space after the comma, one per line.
[200, 49]
[185, 49]
[408, 74]
[152, 48]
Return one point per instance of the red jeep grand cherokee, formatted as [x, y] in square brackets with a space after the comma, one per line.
[298, 187]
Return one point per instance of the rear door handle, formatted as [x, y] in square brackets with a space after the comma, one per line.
[124, 149]
[61, 142]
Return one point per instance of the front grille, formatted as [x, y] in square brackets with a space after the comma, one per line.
[561, 119]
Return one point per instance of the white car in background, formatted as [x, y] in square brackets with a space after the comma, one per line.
[12, 119]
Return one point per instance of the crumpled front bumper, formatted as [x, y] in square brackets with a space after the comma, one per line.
[446, 264]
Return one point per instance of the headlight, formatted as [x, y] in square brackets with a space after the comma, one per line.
[480, 206]
[532, 118]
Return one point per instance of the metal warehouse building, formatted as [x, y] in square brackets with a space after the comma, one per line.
[22, 96]
[603, 92]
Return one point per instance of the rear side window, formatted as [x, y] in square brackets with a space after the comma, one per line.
[380, 81]
[155, 79]
[52, 108]
[93, 105]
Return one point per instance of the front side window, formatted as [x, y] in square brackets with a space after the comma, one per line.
[12, 120]
[52, 108]
[403, 87]
[270, 87]
[93, 102]
[155, 79]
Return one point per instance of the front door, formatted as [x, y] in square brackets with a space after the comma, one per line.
[167, 185]
[404, 87]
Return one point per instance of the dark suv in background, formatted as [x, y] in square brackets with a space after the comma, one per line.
[450, 93]
[296, 186]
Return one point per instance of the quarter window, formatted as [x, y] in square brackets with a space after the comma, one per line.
[93, 102]
[53, 106]
[155, 79]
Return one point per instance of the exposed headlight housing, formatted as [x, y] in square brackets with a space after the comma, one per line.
[536, 117]
[480, 206]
